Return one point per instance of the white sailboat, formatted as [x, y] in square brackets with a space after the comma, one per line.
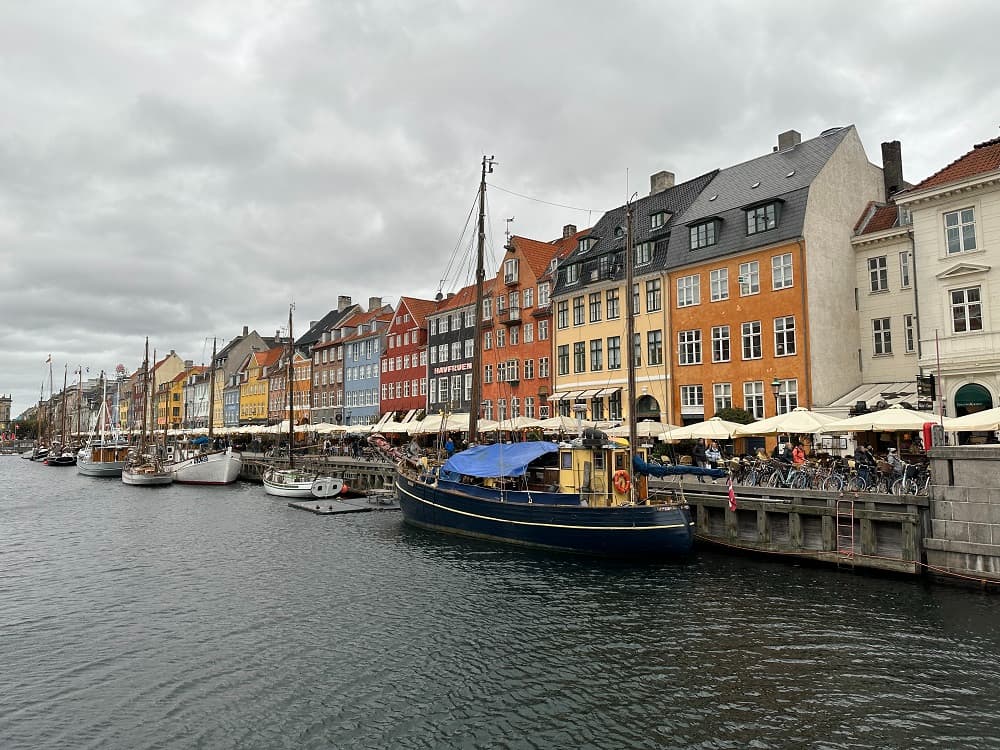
[196, 462]
[144, 467]
[292, 482]
[106, 450]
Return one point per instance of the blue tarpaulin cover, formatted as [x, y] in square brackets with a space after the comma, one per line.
[641, 467]
[498, 460]
[200, 440]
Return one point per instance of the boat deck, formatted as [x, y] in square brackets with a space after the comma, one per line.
[341, 506]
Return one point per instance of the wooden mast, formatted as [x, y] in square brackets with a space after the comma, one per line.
[79, 403]
[289, 388]
[630, 341]
[62, 420]
[211, 396]
[145, 393]
[477, 340]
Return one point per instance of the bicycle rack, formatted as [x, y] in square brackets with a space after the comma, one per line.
[845, 528]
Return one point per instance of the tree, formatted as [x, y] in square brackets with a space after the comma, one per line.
[732, 414]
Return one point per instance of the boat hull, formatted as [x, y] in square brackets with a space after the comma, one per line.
[620, 531]
[222, 467]
[146, 479]
[102, 461]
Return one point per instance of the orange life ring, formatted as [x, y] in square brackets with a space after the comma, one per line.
[622, 481]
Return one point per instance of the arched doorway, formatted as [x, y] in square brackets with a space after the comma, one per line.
[971, 398]
[647, 408]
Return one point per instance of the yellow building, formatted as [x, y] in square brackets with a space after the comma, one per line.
[253, 387]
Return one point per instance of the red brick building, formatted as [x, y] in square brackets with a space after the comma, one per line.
[404, 360]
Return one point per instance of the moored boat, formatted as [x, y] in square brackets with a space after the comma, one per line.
[144, 467]
[106, 450]
[300, 483]
[198, 467]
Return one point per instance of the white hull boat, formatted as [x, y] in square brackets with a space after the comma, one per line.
[102, 460]
[219, 467]
[300, 483]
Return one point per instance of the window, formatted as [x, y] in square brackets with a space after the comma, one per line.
[723, 393]
[529, 369]
[654, 295]
[881, 336]
[878, 273]
[904, 269]
[688, 291]
[762, 218]
[510, 271]
[720, 344]
[909, 335]
[529, 407]
[488, 409]
[749, 278]
[585, 244]
[543, 366]
[615, 405]
[654, 347]
[753, 398]
[487, 341]
[562, 314]
[966, 310]
[635, 298]
[788, 396]
[614, 308]
[752, 348]
[960, 230]
[596, 355]
[781, 271]
[643, 253]
[543, 330]
[562, 355]
[543, 295]
[597, 413]
[579, 356]
[614, 352]
[637, 349]
[529, 333]
[595, 307]
[784, 336]
[692, 395]
[487, 308]
[515, 336]
[719, 282]
[573, 273]
[488, 374]
[703, 235]
[658, 219]
[501, 338]
[689, 347]
[578, 311]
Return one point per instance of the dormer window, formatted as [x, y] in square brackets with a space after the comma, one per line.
[762, 218]
[658, 219]
[643, 253]
[573, 273]
[585, 244]
[704, 234]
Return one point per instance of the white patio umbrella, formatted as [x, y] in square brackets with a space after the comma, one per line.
[512, 424]
[392, 428]
[359, 429]
[895, 418]
[325, 428]
[560, 423]
[980, 421]
[799, 420]
[715, 428]
[647, 428]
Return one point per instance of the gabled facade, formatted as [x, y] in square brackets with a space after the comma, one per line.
[196, 397]
[450, 343]
[758, 285]
[254, 386]
[227, 361]
[956, 219]
[517, 328]
[278, 385]
[403, 386]
[363, 342]
[590, 358]
[317, 343]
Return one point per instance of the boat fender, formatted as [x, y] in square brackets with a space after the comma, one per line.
[622, 481]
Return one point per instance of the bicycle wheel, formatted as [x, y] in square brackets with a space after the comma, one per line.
[775, 480]
[800, 480]
[856, 483]
[833, 483]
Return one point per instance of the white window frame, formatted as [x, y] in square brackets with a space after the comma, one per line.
[719, 284]
[960, 230]
[781, 271]
[749, 278]
[689, 290]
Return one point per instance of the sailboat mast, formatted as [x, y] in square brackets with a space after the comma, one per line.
[477, 336]
[145, 395]
[152, 402]
[289, 388]
[211, 395]
[630, 337]
[79, 403]
[52, 415]
[62, 421]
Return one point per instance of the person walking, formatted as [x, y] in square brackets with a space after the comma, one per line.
[713, 455]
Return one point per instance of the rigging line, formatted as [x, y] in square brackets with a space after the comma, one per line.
[540, 200]
[458, 244]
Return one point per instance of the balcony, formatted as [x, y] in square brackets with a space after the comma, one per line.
[510, 316]
[542, 311]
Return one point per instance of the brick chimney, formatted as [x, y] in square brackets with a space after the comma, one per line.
[374, 303]
[789, 139]
[892, 167]
[660, 181]
[246, 330]
[569, 230]
[343, 302]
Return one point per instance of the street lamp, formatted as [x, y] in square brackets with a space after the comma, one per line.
[776, 389]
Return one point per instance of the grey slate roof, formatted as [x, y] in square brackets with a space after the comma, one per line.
[781, 175]
[675, 200]
[328, 321]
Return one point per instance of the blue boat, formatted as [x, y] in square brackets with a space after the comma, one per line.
[569, 497]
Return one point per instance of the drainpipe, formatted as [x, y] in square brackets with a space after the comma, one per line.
[805, 326]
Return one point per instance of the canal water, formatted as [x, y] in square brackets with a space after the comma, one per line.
[185, 617]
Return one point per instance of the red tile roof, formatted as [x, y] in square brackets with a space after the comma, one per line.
[463, 297]
[877, 218]
[419, 308]
[984, 158]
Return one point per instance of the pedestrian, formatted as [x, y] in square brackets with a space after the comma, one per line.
[713, 455]
[449, 446]
[698, 457]
[798, 454]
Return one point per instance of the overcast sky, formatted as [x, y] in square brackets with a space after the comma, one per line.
[181, 169]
